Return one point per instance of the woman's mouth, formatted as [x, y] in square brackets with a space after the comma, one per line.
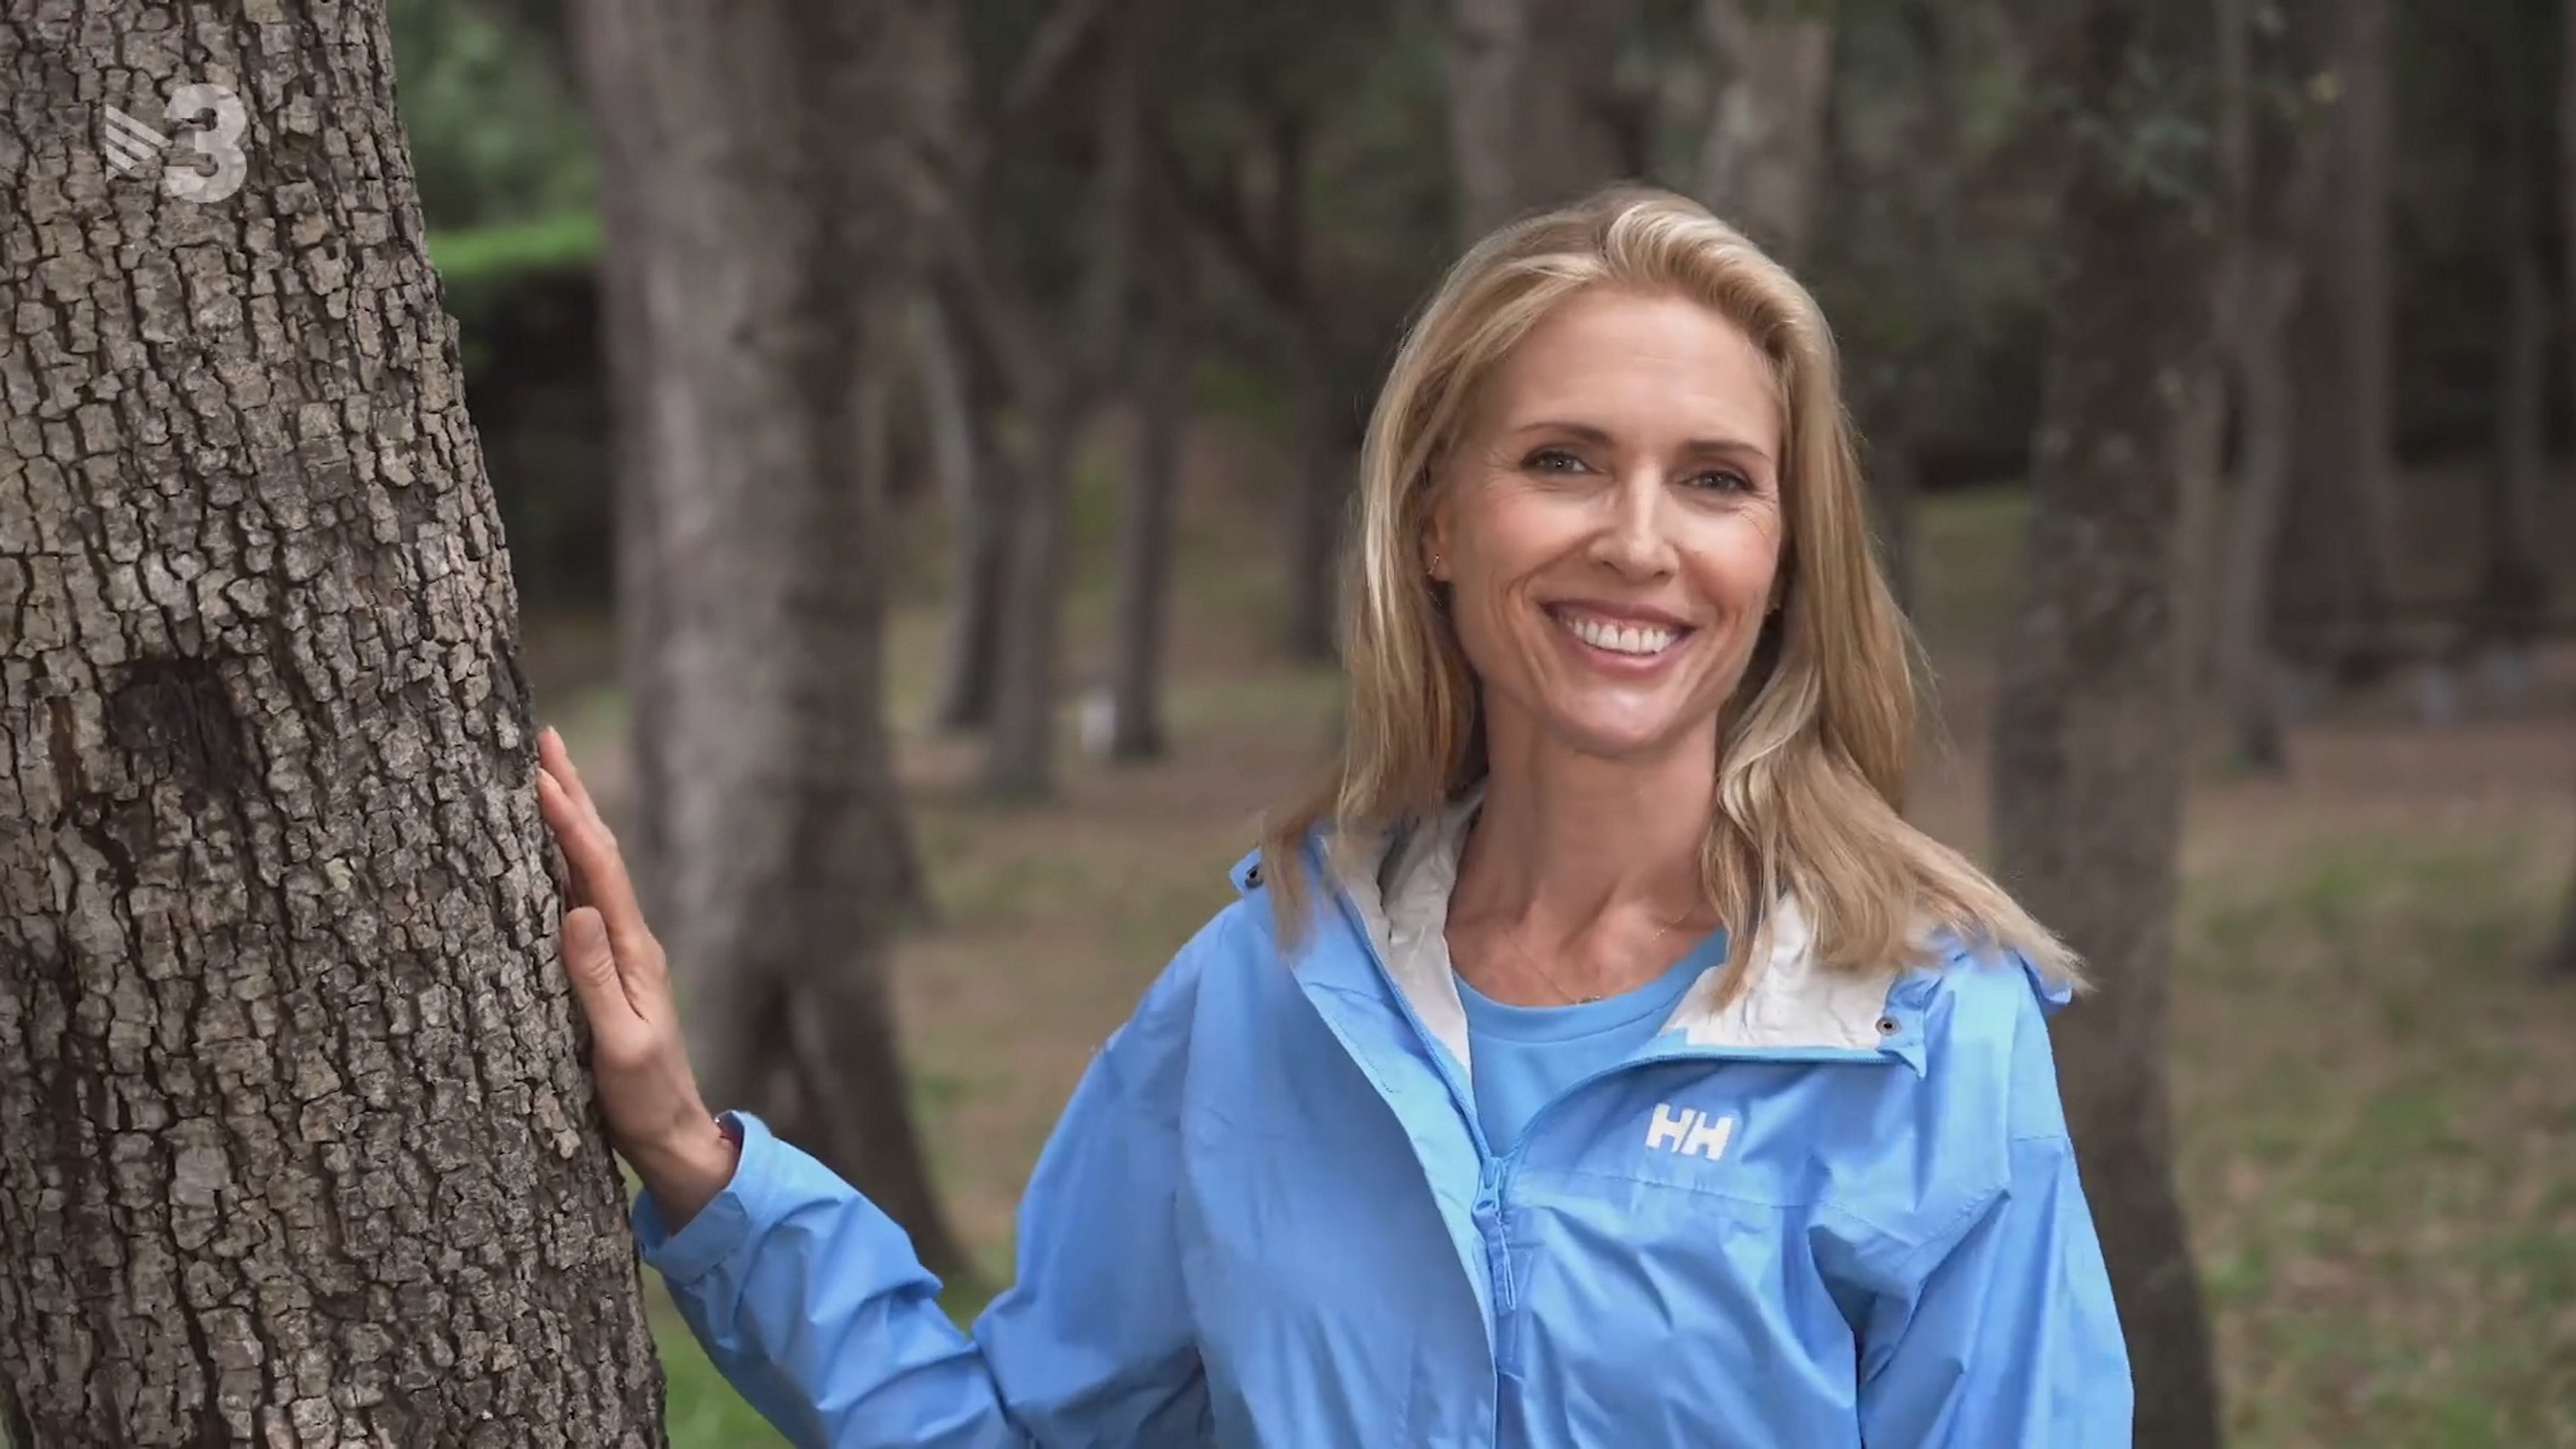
[1626, 637]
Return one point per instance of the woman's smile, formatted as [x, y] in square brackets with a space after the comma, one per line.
[1628, 643]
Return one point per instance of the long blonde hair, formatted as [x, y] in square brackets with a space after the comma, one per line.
[1816, 742]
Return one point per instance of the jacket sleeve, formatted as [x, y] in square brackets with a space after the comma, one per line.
[812, 1304]
[2010, 1341]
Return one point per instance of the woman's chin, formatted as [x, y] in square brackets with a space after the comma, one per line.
[1626, 736]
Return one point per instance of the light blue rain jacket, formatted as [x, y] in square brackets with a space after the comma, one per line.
[1841, 1210]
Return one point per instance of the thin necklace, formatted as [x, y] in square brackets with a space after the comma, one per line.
[1577, 998]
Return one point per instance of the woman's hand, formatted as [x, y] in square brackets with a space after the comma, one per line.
[639, 1064]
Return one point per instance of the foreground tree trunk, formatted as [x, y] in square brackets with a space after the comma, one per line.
[774, 846]
[2090, 759]
[295, 1145]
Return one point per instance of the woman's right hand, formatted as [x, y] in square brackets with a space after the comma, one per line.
[639, 1062]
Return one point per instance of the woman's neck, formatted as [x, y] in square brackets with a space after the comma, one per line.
[1591, 866]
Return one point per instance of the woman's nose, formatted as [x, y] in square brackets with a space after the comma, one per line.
[1633, 538]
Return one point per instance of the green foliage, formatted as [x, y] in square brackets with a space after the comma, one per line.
[477, 255]
[493, 117]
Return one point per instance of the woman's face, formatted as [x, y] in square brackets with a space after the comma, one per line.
[1610, 525]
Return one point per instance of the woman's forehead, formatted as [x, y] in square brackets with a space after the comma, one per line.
[1637, 368]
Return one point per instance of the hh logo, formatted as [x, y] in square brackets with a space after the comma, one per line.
[1690, 1132]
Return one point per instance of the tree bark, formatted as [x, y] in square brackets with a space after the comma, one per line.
[760, 234]
[2090, 756]
[1019, 760]
[295, 1141]
[1162, 397]
[1535, 119]
[1763, 160]
[2513, 583]
[975, 479]
[2331, 586]
[2277, 170]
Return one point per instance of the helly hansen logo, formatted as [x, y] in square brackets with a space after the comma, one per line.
[1690, 1132]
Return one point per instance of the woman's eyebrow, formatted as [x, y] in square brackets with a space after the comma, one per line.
[1695, 447]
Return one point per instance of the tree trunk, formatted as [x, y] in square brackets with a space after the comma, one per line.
[2513, 584]
[2332, 573]
[1327, 457]
[2090, 755]
[1534, 116]
[295, 1141]
[1019, 761]
[975, 482]
[1145, 533]
[2267, 409]
[760, 233]
[1763, 160]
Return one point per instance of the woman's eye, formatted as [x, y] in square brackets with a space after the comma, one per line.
[1552, 460]
[1723, 480]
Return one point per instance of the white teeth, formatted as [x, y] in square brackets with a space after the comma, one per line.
[1619, 639]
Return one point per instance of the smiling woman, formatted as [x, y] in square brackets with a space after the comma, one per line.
[1598, 1058]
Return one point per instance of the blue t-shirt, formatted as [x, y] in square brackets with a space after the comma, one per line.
[1522, 1056]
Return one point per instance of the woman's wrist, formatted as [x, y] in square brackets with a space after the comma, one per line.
[688, 1169]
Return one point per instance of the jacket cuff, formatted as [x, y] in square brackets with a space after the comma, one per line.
[725, 1223]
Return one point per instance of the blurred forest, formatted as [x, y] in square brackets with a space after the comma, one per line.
[1150, 261]
[922, 431]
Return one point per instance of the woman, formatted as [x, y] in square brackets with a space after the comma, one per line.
[1598, 1060]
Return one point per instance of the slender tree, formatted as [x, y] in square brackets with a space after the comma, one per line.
[1054, 349]
[2090, 756]
[2512, 594]
[1161, 395]
[753, 237]
[295, 1144]
[1536, 117]
[2331, 587]
[2280, 146]
[1762, 165]
[962, 398]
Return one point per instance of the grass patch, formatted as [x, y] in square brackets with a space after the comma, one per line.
[2379, 1145]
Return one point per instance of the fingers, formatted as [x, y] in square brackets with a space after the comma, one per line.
[590, 848]
[593, 968]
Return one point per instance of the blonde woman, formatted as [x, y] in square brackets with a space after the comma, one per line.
[1598, 1059]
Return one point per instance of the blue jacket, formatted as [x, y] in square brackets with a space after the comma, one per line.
[1840, 1211]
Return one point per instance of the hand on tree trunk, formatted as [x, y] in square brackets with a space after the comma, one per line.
[639, 1061]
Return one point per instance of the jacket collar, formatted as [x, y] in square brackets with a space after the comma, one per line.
[1399, 884]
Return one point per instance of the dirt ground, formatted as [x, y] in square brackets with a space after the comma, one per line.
[2375, 1092]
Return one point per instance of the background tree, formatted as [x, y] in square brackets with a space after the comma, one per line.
[294, 1143]
[750, 244]
[1292, 145]
[1762, 166]
[2332, 591]
[1536, 114]
[2089, 752]
[2285, 89]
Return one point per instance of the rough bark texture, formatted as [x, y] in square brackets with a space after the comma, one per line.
[2090, 748]
[1534, 117]
[1764, 157]
[758, 229]
[295, 1145]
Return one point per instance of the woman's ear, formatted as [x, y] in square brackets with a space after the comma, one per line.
[1436, 557]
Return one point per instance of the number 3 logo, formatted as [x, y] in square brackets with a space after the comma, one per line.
[220, 143]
